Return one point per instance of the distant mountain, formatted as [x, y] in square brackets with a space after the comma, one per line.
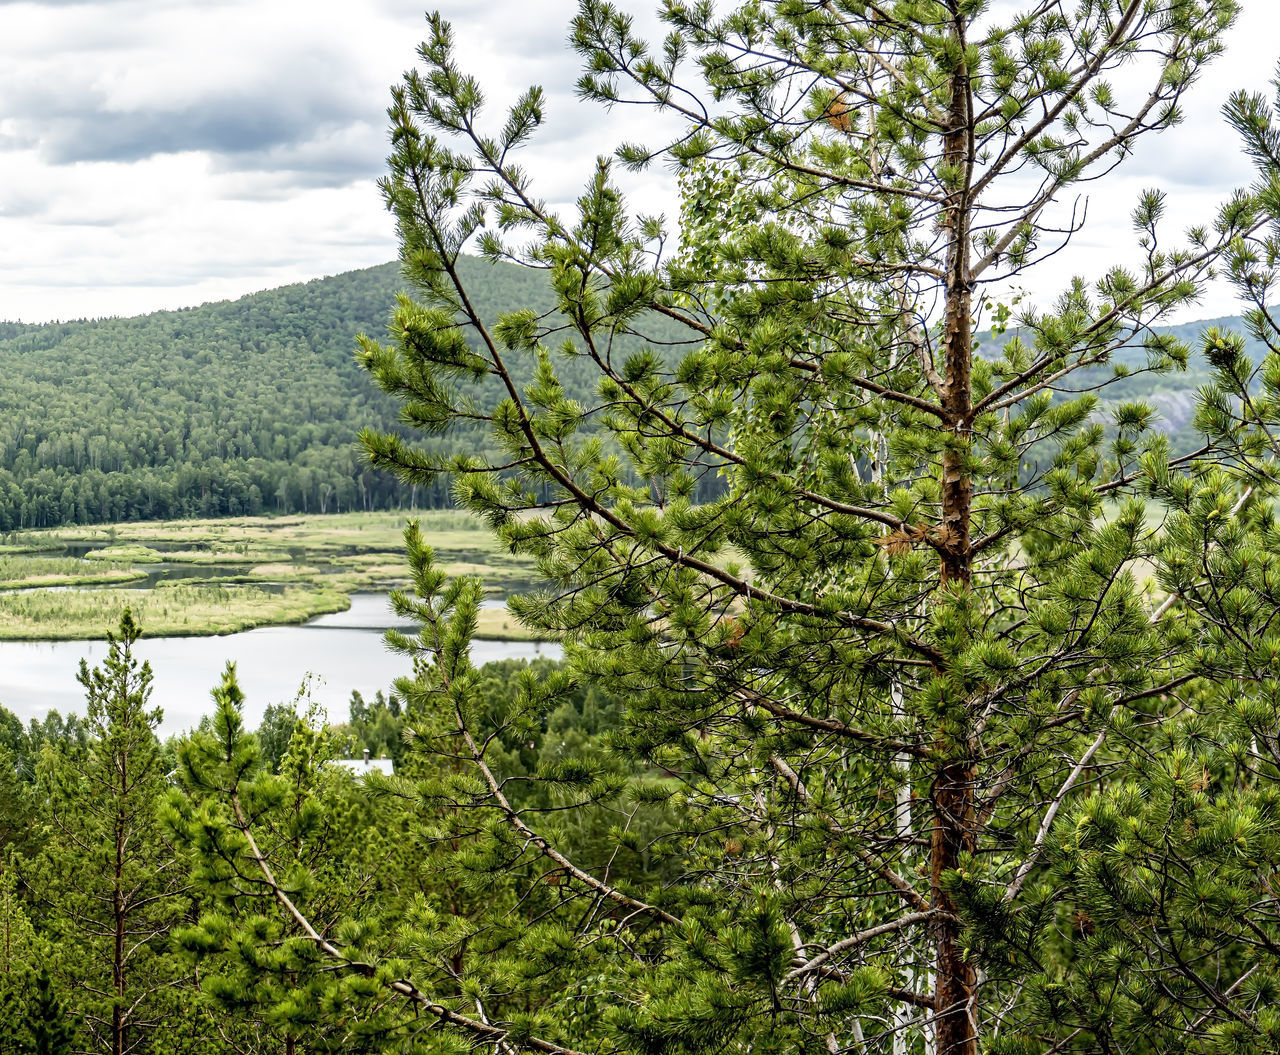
[237, 407]
[247, 406]
[1174, 394]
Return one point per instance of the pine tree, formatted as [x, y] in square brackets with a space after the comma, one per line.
[866, 672]
[263, 974]
[36, 1021]
[1171, 862]
[17, 807]
[109, 884]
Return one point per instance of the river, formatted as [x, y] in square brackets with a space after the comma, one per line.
[333, 654]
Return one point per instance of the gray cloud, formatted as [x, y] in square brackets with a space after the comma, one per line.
[158, 79]
[135, 130]
[308, 132]
[23, 205]
[353, 152]
[227, 129]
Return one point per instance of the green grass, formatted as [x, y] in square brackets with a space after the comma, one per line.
[320, 559]
[18, 572]
[52, 546]
[126, 555]
[178, 611]
[135, 553]
[222, 556]
[109, 577]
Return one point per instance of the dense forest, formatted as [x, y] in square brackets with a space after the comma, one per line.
[98, 840]
[241, 407]
[253, 406]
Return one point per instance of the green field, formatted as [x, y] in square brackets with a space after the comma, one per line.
[235, 574]
[180, 611]
[24, 571]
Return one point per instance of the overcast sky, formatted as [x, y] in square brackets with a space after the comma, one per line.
[163, 153]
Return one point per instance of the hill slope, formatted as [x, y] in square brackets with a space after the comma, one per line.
[243, 406]
[236, 407]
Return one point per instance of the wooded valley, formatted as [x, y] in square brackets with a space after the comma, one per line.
[920, 690]
[252, 407]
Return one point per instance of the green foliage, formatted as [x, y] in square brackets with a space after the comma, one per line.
[36, 1020]
[105, 880]
[262, 974]
[915, 700]
[1166, 871]
[377, 727]
[235, 408]
[250, 406]
[852, 670]
[275, 731]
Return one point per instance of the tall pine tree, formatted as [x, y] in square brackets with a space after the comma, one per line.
[109, 884]
[865, 680]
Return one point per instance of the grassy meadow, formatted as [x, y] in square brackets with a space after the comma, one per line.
[202, 577]
[19, 572]
[178, 611]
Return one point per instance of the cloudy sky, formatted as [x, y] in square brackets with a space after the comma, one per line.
[162, 153]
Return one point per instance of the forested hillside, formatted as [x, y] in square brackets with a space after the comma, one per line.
[246, 406]
[249, 406]
[237, 407]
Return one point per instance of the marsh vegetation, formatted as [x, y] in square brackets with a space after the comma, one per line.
[200, 577]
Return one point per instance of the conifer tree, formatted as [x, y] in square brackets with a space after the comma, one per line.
[1171, 862]
[18, 827]
[36, 1021]
[108, 882]
[867, 678]
[263, 975]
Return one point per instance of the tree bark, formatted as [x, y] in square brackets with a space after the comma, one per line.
[117, 965]
[953, 786]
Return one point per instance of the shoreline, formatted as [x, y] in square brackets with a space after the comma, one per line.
[214, 578]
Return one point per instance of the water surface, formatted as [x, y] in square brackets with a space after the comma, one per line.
[331, 655]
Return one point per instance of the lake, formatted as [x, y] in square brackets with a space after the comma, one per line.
[334, 654]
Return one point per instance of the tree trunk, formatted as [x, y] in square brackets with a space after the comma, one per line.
[953, 786]
[117, 965]
[956, 976]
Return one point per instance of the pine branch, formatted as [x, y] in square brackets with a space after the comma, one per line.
[856, 940]
[481, 1031]
[904, 889]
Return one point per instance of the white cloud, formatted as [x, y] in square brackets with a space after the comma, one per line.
[157, 153]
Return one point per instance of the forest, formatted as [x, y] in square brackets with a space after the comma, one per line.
[104, 946]
[252, 407]
[920, 690]
[245, 407]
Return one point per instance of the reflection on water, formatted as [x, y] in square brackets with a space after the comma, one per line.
[368, 611]
[342, 652]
